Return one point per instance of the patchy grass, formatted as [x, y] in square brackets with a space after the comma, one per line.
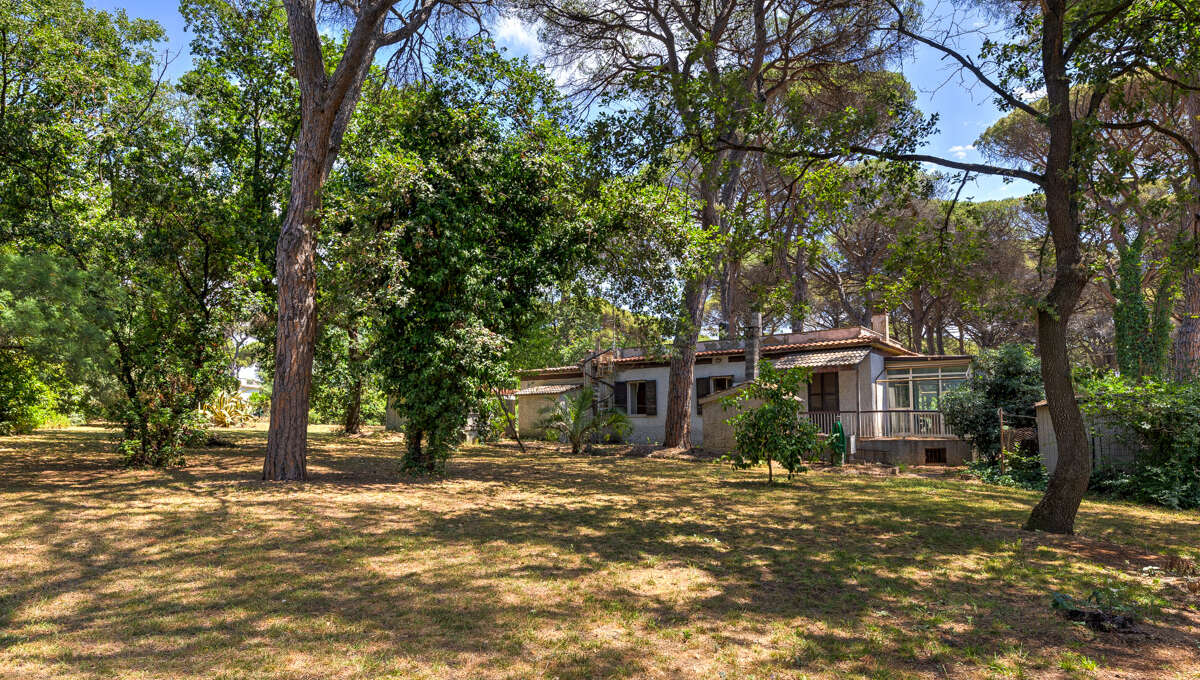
[552, 566]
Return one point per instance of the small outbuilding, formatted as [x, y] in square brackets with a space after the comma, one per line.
[1108, 445]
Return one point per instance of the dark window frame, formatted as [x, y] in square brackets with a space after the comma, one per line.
[820, 394]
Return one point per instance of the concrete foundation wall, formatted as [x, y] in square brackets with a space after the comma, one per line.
[910, 451]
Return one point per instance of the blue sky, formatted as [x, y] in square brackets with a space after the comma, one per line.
[964, 112]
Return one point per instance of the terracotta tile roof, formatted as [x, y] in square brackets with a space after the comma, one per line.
[826, 359]
[545, 389]
[864, 338]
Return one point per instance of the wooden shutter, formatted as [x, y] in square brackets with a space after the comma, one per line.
[651, 397]
[620, 396]
[703, 388]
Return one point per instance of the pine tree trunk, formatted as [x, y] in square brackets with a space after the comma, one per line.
[295, 330]
[799, 296]
[1185, 354]
[677, 430]
[1057, 509]
[325, 108]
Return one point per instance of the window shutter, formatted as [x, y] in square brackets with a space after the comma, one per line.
[703, 389]
[651, 397]
[620, 396]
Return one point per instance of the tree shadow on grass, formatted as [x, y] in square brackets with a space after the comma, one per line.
[561, 566]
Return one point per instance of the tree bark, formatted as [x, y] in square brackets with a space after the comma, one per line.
[677, 431]
[352, 421]
[1185, 354]
[1057, 509]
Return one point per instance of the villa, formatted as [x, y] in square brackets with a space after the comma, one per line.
[885, 396]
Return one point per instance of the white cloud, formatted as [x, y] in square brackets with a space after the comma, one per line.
[1027, 95]
[516, 33]
[960, 152]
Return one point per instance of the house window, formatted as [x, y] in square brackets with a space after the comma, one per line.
[922, 388]
[937, 456]
[643, 397]
[707, 385]
[823, 392]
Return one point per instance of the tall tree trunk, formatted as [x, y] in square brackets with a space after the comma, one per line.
[677, 431]
[326, 104]
[1057, 509]
[799, 281]
[726, 292]
[1185, 355]
[295, 329]
[917, 319]
[352, 422]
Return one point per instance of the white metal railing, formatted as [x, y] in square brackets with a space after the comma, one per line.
[873, 424]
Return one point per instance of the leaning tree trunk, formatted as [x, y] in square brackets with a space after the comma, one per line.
[1056, 511]
[677, 431]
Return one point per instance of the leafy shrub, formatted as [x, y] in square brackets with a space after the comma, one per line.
[163, 435]
[772, 431]
[260, 403]
[1023, 470]
[1162, 420]
[490, 421]
[27, 400]
[572, 417]
[1008, 377]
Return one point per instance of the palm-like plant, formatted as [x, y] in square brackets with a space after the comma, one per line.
[572, 416]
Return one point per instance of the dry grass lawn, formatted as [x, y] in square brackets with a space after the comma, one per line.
[552, 566]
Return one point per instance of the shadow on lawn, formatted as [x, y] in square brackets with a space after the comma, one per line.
[200, 560]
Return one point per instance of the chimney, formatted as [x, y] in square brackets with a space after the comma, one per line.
[879, 324]
[753, 340]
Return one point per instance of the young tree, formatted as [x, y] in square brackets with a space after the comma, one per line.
[769, 426]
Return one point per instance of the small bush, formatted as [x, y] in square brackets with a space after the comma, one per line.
[1161, 419]
[1023, 470]
[490, 421]
[162, 437]
[260, 403]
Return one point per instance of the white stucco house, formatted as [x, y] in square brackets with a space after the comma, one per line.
[885, 396]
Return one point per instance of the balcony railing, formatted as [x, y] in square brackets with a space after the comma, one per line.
[874, 424]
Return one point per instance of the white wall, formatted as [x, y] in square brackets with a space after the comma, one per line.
[649, 429]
